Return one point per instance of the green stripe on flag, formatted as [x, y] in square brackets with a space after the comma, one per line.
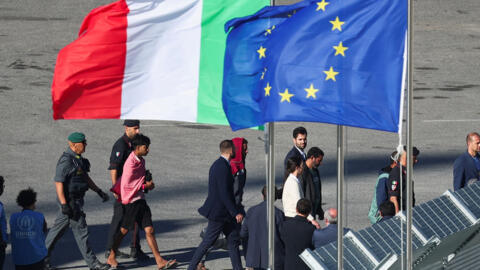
[215, 14]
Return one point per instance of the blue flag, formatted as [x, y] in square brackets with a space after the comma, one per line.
[330, 61]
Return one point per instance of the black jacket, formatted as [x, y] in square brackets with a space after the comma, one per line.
[296, 234]
[292, 153]
[306, 181]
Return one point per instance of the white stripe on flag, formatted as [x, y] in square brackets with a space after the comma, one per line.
[162, 62]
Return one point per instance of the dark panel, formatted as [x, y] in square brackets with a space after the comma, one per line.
[470, 196]
[384, 238]
[439, 217]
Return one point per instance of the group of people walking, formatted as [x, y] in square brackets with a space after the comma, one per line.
[301, 197]
[296, 227]
[130, 182]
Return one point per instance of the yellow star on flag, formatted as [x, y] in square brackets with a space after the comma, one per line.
[286, 96]
[311, 91]
[340, 49]
[267, 89]
[330, 74]
[322, 5]
[261, 52]
[269, 30]
[337, 24]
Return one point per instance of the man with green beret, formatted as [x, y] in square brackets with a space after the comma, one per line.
[71, 183]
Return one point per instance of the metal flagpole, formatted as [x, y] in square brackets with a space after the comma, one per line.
[271, 195]
[271, 191]
[409, 134]
[340, 176]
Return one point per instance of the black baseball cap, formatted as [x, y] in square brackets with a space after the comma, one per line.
[131, 123]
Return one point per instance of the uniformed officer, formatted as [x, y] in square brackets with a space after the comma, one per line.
[396, 183]
[120, 152]
[71, 183]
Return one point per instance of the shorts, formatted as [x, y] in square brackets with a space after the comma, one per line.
[138, 212]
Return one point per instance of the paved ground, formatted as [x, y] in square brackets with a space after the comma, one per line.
[447, 85]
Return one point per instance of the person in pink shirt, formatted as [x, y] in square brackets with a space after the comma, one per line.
[133, 185]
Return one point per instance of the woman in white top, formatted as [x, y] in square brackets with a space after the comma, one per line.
[292, 190]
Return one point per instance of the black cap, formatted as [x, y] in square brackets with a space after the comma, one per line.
[415, 150]
[131, 123]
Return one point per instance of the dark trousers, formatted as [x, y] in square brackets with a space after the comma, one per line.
[2, 257]
[214, 228]
[118, 212]
[34, 266]
[243, 243]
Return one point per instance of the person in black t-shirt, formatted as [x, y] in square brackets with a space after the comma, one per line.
[398, 186]
[120, 152]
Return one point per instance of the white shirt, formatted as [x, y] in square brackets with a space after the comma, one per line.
[292, 192]
[225, 159]
[301, 152]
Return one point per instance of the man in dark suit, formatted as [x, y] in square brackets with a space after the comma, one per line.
[466, 168]
[220, 209]
[311, 182]
[297, 234]
[328, 234]
[254, 228]
[299, 145]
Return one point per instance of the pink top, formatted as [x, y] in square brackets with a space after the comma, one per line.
[132, 179]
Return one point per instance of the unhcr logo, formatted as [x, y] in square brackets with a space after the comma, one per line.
[25, 225]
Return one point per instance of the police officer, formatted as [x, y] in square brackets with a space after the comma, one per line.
[397, 184]
[120, 152]
[71, 183]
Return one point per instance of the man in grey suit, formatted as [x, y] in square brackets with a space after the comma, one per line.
[220, 209]
[254, 228]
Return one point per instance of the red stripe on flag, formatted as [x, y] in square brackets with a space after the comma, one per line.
[88, 77]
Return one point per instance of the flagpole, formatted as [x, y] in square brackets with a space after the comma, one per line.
[271, 194]
[340, 176]
[409, 134]
[271, 190]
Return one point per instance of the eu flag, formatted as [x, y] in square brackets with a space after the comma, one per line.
[330, 61]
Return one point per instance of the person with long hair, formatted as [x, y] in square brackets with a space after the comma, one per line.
[292, 190]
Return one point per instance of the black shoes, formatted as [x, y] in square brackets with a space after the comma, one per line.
[138, 254]
[46, 264]
[49, 267]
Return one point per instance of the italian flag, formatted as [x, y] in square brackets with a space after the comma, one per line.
[157, 59]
